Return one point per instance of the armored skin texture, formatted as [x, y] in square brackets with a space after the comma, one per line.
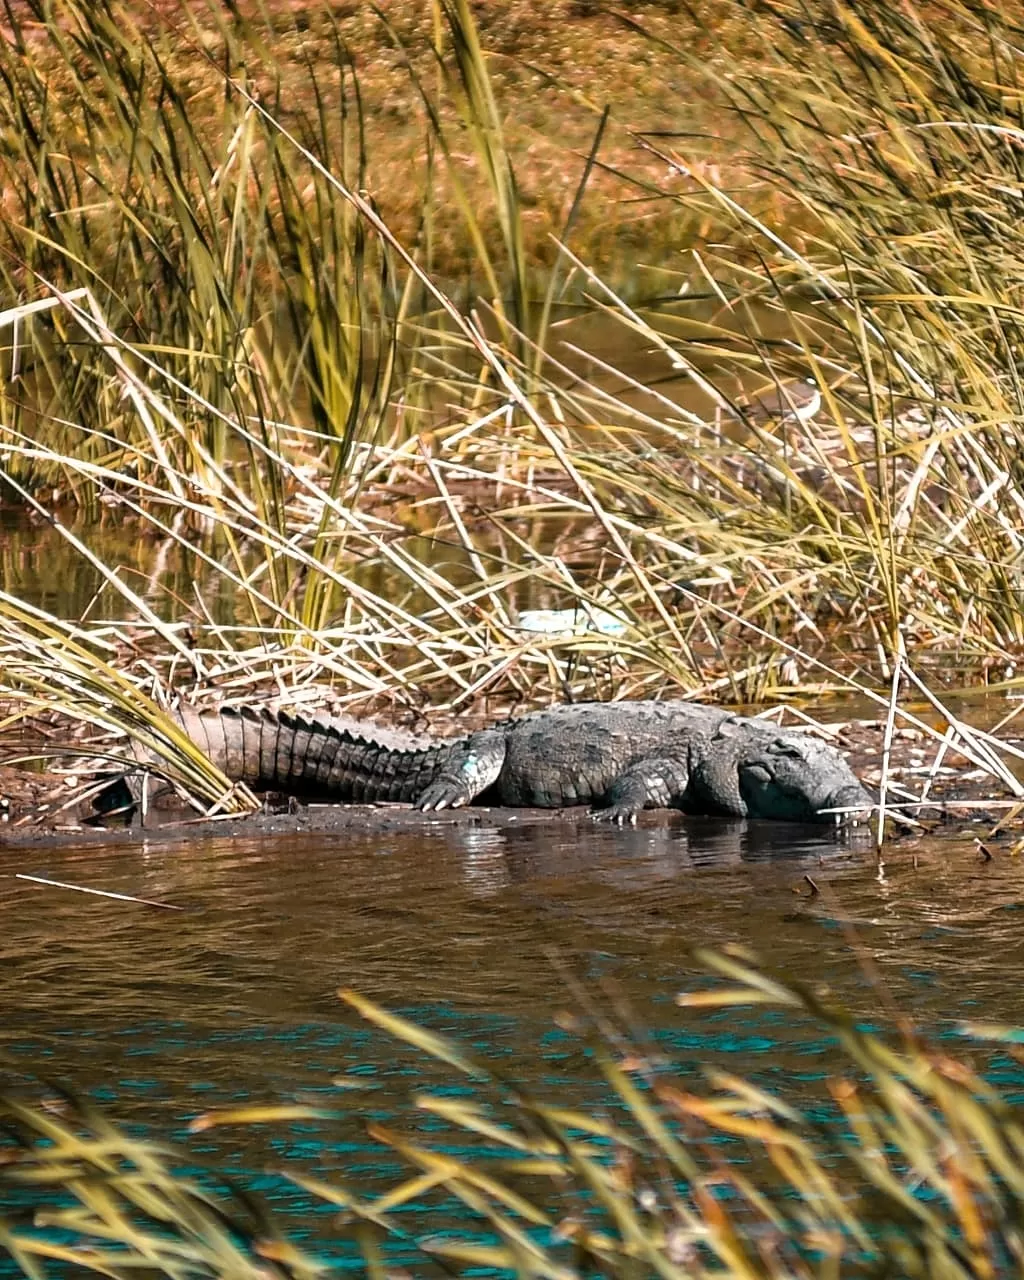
[619, 757]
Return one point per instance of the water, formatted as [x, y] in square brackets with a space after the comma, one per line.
[162, 1015]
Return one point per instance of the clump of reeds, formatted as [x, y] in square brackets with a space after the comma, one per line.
[222, 339]
[917, 1173]
[913, 1169]
[893, 276]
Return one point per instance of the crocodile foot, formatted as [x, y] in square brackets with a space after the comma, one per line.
[444, 793]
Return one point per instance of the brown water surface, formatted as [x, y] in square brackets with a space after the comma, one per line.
[163, 1014]
[469, 919]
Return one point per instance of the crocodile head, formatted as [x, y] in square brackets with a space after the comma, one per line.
[790, 776]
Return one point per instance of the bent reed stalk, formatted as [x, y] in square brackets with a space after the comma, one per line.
[222, 338]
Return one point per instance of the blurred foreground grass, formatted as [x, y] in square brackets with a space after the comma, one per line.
[916, 1174]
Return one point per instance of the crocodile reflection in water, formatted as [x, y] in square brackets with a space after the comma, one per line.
[493, 859]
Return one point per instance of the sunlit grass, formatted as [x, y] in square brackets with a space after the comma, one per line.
[218, 330]
[918, 1170]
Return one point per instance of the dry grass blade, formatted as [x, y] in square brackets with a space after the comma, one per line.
[433, 1045]
[269, 1114]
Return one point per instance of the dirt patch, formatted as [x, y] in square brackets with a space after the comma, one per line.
[298, 819]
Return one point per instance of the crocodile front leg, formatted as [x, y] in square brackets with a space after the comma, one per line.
[471, 768]
[658, 783]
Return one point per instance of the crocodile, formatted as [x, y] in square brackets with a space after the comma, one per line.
[620, 757]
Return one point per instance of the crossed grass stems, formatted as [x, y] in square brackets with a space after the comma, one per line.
[915, 1172]
[222, 333]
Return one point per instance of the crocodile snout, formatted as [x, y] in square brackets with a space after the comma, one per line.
[853, 796]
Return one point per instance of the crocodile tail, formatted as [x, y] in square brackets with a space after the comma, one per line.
[322, 756]
[242, 744]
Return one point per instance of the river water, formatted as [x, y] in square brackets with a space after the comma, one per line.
[161, 1015]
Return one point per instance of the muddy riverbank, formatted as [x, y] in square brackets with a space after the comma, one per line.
[55, 807]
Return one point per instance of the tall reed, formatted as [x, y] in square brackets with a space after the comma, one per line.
[219, 331]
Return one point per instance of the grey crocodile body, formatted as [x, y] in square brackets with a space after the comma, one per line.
[620, 757]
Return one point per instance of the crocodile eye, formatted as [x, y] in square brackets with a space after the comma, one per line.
[782, 747]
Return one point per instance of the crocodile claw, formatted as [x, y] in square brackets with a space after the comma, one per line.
[620, 814]
[445, 793]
